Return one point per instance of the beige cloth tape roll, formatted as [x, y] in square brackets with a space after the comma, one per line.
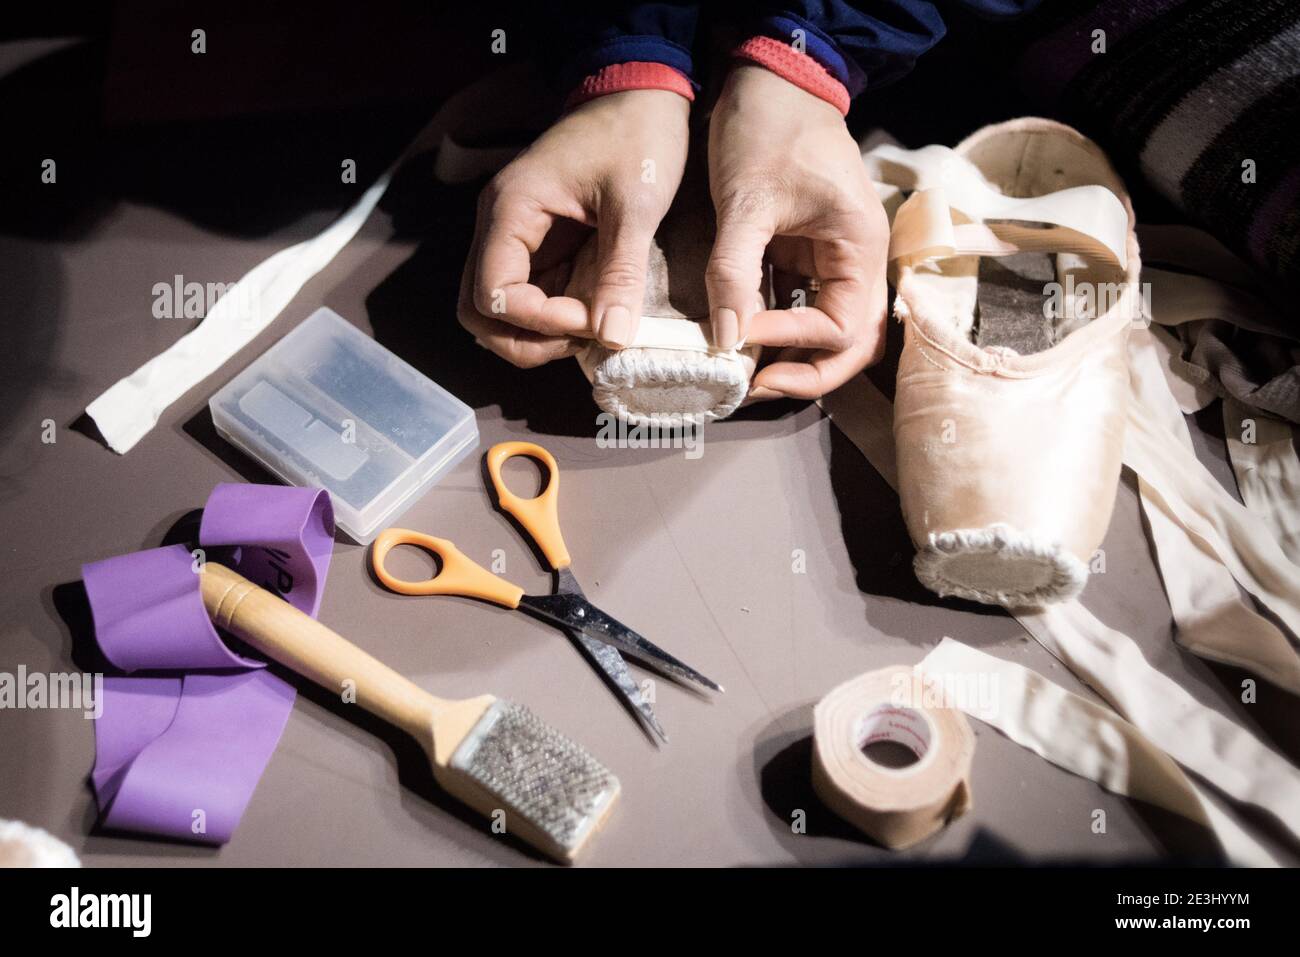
[895, 806]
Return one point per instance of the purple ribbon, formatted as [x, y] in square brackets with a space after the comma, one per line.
[178, 752]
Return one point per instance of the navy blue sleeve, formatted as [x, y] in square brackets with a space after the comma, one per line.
[589, 36]
[868, 43]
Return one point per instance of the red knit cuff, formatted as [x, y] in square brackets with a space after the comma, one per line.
[637, 75]
[799, 68]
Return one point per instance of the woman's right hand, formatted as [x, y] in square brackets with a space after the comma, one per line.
[613, 163]
[790, 190]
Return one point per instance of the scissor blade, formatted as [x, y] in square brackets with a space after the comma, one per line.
[570, 610]
[615, 668]
[609, 660]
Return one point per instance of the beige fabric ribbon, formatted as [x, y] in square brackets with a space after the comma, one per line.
[1084, 738]
[1267, 470]
[1205, 542]
[1086, 219]
[926, 226]
[131, 407]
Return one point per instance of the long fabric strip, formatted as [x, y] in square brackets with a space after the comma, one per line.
[1199, 738]
[1084, 738]
[1232, 340]
[131, 406]
[1213, 619]
[1263, 454]
[1191, 394]
[180, 747]
[1202, 740]
[1239, 538]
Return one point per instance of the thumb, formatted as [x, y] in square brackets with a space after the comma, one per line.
[734, 275]
[622, 257]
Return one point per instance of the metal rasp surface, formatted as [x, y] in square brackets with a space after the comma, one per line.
[537, 772]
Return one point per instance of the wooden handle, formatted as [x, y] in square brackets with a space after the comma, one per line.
[298, 641]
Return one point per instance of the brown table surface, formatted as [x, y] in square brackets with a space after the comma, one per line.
[698, 553]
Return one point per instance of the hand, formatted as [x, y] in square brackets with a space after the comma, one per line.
[787, 180]
[613, 163]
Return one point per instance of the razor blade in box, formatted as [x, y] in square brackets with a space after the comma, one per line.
[329, 407]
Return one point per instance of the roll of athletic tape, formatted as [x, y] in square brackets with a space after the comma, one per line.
[895, 806]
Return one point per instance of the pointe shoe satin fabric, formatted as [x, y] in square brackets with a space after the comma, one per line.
[1008, 463]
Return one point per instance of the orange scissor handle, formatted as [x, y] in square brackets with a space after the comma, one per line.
[540, 515]
[459, 575]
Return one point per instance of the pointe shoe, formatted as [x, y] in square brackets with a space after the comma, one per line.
[1009, 422]
[671, 374]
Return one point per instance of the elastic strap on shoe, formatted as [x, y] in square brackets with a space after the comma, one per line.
[927, 227]
[954, 211]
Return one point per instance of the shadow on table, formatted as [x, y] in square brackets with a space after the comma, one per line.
[202, 430]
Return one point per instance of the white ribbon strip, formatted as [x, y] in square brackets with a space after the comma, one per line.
[924, 227]
[1213, 519]
[132, 406]
[1191, 390]
[1264, 460]
[1211, 616]
[1198, 738]
[1178, 298]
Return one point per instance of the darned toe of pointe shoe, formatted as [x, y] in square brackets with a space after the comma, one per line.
[999, 565]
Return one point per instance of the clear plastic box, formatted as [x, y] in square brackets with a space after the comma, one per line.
[329, 407]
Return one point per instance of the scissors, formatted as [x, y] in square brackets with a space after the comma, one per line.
[601, 635]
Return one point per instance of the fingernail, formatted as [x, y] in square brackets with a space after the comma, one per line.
[761, 392]
[615, 327]
[726, 328]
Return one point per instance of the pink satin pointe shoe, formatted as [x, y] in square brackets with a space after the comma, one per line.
[1016, 271]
